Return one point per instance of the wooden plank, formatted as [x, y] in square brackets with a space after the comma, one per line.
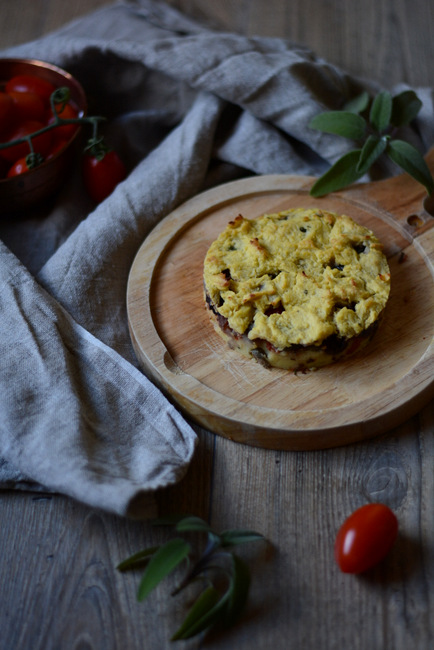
[388, 42]
[41, 17]
[299, 500]
[59, 583]
[60, 586]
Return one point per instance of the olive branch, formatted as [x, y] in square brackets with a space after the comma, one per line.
[373, 124]
[225, 576]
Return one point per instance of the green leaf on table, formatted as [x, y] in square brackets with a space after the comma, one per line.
[371, 150]
[163, 562]
[210, 607]
[138, 559]
[204, 613]
[234, 537]
[214, 539]
[381, 111]
[344, 123]
[213, 563]
[183, 523]
[411, 161]
[405, 108]
[358, 104]
[342, 173]
[238, 590]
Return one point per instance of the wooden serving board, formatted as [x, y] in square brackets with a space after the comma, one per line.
[236, 397]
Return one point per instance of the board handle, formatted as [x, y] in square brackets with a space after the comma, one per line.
[405, 198]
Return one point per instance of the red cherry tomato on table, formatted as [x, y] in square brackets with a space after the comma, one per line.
[41, 143]
[102, 175]
[365, 538]
[25, 83]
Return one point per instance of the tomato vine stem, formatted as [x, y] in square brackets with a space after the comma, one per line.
[94, 120]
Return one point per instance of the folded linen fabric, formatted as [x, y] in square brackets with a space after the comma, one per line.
[187, 107]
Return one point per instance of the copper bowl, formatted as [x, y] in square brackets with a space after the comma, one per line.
[29, 189]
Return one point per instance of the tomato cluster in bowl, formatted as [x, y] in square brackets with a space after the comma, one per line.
[25, 108]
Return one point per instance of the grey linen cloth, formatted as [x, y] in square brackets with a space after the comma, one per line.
[188, 107]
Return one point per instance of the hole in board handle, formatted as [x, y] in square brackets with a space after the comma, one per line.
[415, 221]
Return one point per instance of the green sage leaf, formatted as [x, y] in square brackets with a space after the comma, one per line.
[165, 560]
[342, 173]
[411, 161]
[238, 590]
[358, 104]
[381, 111]
[192, 524]
[405, 107]
[138, 559]
[205, 612]
[234, 537]
[371, 150]
[344, 123]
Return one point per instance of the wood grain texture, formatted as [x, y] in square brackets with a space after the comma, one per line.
[373, 39]
[60, 589]
[23, 21]
[58, 586]
[308, 495]
[345, 402]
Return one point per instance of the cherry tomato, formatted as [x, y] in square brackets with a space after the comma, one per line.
[18, 168]
[6, 110]
[365, 538]
[25, 164]
[67, 113]
[28, 106]
[26, 83]
[41, 143]
[102, 176]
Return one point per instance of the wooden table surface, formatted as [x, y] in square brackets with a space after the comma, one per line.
[59, 588]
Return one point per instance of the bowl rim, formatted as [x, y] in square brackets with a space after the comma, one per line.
[40, 64]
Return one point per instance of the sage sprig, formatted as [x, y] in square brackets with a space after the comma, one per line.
[225, 576]
[373, 125]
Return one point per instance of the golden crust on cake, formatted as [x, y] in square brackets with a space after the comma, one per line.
[301, 284]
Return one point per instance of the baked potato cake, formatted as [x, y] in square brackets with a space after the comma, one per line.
[298, 289]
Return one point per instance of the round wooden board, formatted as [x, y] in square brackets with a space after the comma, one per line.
[236, 397]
